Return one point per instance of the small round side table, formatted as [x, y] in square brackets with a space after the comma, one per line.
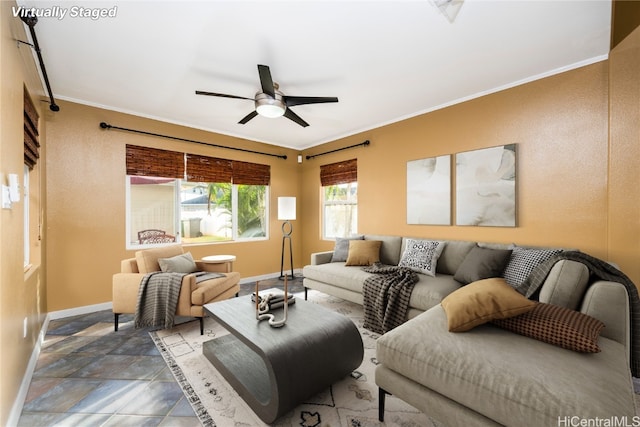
[221, 259]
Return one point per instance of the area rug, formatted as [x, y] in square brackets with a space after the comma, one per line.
[351, 402]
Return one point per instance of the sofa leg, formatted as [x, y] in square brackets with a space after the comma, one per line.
[305, 293]
[381, 396]
[115, 321]
[202, 325]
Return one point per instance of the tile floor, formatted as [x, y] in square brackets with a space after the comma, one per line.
[89, 375]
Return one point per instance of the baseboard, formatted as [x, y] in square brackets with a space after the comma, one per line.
[18, 404]
[60, 314]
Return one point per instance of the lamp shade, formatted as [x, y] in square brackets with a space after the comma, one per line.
[286, 208]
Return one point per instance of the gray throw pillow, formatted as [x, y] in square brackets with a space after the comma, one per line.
[182, 263]
[341, 249]
[482, 263]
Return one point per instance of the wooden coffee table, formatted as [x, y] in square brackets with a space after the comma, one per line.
[275, 369]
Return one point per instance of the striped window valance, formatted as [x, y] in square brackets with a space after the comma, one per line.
[339, 173]
[208, 169]
[147, 161]
[31, 134]
[251, 173]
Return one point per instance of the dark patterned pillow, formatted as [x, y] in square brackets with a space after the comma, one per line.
[522, 263]
[421, 255]
[558, 326]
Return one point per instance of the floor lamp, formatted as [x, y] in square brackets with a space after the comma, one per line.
[286, 213]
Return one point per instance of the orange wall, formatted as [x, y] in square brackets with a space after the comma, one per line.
[86, 200]
[560, 124]
[22, 289]
[624, 156]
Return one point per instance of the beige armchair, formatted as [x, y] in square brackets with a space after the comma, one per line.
[192, 295]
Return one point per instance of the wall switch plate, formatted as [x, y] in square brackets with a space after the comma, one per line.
[6, 199]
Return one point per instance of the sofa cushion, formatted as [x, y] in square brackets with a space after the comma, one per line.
[453, 254]
[363, 252]
[557, 325]
[341, 248]
[427, 292]
[482, 263]
[421, 255]
[505, 376]
[338, 275]
[147, 259]
[482, 301]
[182, 263]
[390, 249]
[565, 285]
[430, 291]
[523, 261]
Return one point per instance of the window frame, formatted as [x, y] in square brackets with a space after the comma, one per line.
[132, 245]
[27, 215]
[338, 203]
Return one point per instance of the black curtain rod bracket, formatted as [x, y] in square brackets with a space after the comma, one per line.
[364, 144]
[104, 125]
[31, 20]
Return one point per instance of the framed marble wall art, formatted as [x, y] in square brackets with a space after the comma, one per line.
[486, 187]
[429, 191]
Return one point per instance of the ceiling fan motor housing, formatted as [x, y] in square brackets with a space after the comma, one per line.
[270, 107]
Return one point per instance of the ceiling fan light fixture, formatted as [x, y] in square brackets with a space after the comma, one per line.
[270, 107]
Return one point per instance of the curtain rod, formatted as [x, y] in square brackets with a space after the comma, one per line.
[340, 149]
[104, 125]
[31, 20]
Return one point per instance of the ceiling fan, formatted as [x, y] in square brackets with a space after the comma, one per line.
[270, 102]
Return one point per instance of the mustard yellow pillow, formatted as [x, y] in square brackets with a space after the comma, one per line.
[482, 301]
[363, 252]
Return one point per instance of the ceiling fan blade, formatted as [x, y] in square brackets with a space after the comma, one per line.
[222, 95]
[292, 101]
[296, 118]
[248, 117]
[266, 81]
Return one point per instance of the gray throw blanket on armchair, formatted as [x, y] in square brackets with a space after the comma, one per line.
[158, 299]
[603, 271]
[386, 296]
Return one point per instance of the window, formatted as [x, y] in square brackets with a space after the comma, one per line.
[31, 156]
[211, 212]
[220, 200]
[27, 234]
[339, 199]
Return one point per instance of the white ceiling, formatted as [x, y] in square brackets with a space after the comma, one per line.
[384, 60]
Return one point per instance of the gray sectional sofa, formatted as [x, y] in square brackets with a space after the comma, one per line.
[489, 375]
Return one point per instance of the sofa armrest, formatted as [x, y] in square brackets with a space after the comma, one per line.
[609, 303]
[318, 258]
[125, 292]
[125, 287]
[214, 268]
[129, 265]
